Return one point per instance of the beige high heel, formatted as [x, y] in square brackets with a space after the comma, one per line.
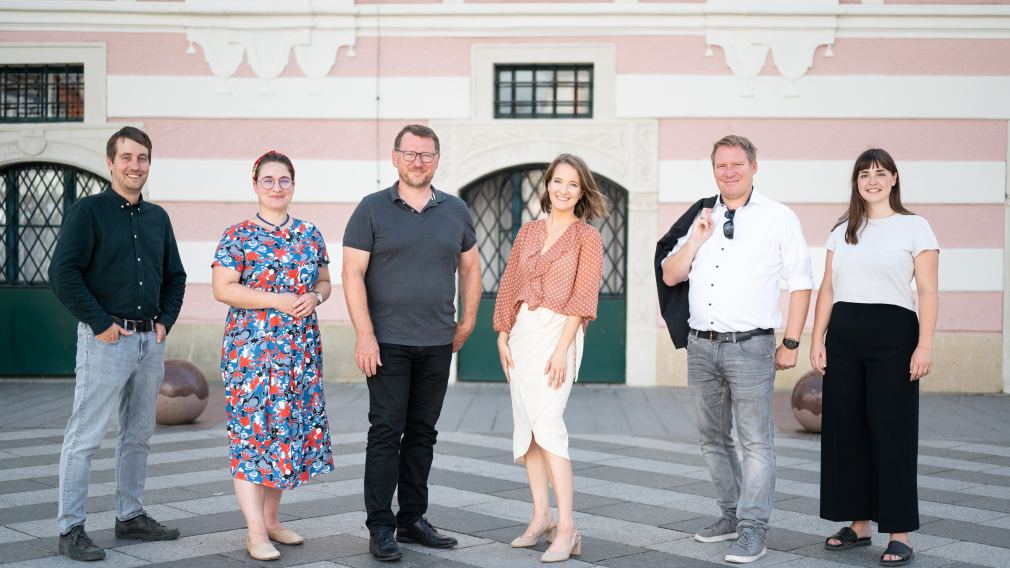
[264, 551]
[526, 542]
[575, 550]
[285, 536]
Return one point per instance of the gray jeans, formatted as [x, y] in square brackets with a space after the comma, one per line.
[126, 375]
[727, 379]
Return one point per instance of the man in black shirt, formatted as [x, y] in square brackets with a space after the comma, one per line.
[117, 269]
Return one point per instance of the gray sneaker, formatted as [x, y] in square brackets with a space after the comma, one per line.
[723, 529]
[749, 546]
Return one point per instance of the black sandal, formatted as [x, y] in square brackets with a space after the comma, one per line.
[899, 549]
[847, 538]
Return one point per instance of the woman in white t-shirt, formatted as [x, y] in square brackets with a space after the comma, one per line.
[875, 352]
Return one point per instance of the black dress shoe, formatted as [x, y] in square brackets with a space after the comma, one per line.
[144, 527]
[383, 547]
[78, 545]
[421, 532]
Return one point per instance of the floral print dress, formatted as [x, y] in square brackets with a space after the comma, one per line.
[272, 362]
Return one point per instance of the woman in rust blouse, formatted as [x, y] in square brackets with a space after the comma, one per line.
[546, 298]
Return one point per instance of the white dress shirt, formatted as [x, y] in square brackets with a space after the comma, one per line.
[735, 282]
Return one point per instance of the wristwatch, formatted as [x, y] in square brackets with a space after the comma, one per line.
[319, 295]
[790, 343]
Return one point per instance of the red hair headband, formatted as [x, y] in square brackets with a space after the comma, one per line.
[256, 164]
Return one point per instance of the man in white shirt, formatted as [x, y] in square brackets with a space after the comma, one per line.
[732, 258]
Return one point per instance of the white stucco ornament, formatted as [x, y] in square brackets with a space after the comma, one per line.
[747, 38]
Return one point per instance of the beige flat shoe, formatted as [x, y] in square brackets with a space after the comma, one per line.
[575, 550]
[265, 551]
[526, 542]
[286, 536]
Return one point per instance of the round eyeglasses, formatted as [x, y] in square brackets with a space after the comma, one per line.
[283, 183]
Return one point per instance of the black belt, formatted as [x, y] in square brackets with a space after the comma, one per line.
[730, 336]
[134, 325]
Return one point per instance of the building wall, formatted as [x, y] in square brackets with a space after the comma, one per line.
[331, 85]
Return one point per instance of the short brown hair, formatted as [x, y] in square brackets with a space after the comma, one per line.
[592, 204]
[418, 130]
[130, 133]
[736, 142]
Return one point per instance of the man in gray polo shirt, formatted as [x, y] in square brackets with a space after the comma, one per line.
[402, 248]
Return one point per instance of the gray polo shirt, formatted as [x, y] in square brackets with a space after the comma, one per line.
[411, 277]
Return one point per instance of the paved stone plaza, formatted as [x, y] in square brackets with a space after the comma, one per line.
[641, 486]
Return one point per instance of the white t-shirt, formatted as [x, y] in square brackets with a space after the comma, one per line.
[879, 269]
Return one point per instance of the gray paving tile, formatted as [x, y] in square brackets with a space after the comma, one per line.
[789, 540]
[636, 477]
[187, 466]
[27, 550]
[798, 475]
[656, 559]
[969, 532]
[641, 513]
[19, 485]
[470, 482]
[210, 561]
[411, 559]
[323, 507]
[313, 550]
[988, 503]
[581, 501]
[459, 520]
[596, 550]
[800, 505]
[974, 477]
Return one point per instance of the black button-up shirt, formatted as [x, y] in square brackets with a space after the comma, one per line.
[117, 259]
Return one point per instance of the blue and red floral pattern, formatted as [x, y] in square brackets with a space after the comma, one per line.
[272, 362]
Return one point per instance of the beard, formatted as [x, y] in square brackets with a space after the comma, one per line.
[416, 180]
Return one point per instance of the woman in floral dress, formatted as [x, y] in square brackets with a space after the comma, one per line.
[272, 271]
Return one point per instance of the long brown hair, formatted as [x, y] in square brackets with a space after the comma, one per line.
[592, 204]
[856, 215]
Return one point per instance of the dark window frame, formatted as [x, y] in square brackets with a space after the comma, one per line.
[533, 104]
[41, 93]
[31, 215]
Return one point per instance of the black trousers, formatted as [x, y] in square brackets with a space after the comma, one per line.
[405, 400]
[870, 423]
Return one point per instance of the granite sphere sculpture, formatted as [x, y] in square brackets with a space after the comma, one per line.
[183, 394]
[807, 400]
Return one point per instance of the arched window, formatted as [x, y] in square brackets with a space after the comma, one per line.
[33, 199]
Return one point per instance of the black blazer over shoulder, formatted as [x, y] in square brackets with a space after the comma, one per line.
[673, 299]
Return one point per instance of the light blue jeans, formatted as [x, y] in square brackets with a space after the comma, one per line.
[727, 379]
[126, 375]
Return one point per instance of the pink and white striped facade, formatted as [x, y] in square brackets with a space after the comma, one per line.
[330, 82]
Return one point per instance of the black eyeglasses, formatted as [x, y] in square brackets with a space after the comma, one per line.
[410, 156]
[727, 227]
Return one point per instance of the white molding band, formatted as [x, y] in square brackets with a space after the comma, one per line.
[827, 181]
[630, 96]
[961, 270]
[814, 96]
[384, 98]
[319, 181]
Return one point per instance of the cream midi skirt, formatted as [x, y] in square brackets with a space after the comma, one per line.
[536, 408]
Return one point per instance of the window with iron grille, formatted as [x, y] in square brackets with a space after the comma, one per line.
[543, 91]
[42, 93]
[33, 199]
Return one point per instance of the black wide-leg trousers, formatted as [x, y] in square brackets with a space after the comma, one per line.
[870, 424]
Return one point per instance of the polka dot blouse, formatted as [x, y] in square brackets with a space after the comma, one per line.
[565, 279]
